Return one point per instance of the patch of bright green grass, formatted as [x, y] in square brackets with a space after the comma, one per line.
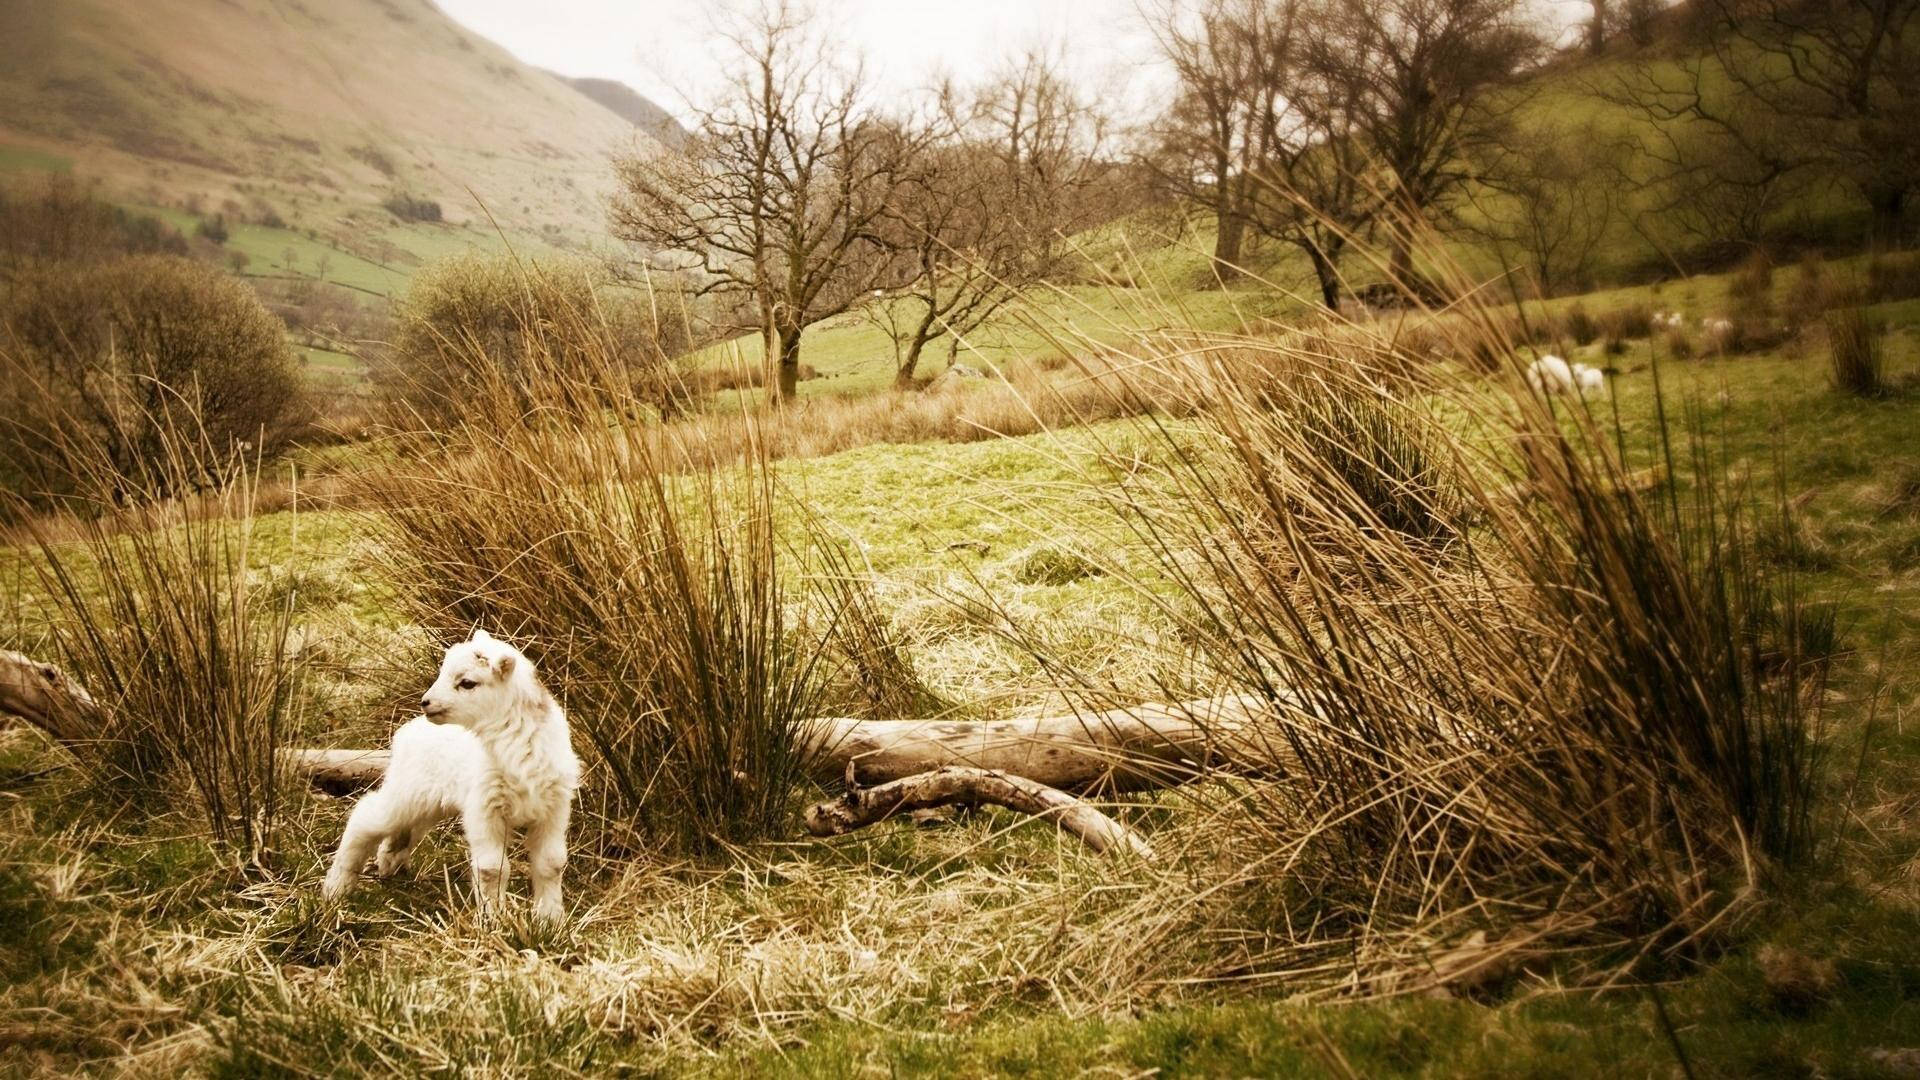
[333, 370]
[27, 159]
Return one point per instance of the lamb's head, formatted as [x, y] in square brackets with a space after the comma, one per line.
[481, 681]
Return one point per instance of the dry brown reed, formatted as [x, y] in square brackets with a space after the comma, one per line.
[148, 598]
[1855, 365]
[1557, 727]
[640, 572]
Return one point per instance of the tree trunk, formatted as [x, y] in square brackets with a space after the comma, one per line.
[1231, 231]
[1889, 204]
[1327, 274]
[1138, 748]
[951, 784]
[1401, 270]
[903, 376]
[787, 373]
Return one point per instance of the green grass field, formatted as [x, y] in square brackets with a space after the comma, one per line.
[24, 159]
[899, 950]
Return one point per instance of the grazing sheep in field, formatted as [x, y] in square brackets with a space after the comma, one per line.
[1551, 375]
[494, 751]
[1670, 320]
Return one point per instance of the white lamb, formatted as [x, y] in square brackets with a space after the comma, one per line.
[499, 758]
[1551, 375]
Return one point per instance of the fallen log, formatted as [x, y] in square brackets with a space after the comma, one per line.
[1138, 748]
[1135, 748]
[949, 785]
[45, 697]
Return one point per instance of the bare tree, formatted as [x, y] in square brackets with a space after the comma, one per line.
[986, 211]
[1639, 20]
[1211, 144]
[1316, 192]
[1783, 90]
[1431, 82]
[780, 193]
[1713, 163]
[1545, 200]
[1845, 74]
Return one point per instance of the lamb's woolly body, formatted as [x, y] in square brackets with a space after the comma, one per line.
[502, 761]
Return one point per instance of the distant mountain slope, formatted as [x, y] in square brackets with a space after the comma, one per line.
[317, 111]
[627, 104]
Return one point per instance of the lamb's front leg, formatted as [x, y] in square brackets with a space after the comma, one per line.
[487, 844]
[546, 861]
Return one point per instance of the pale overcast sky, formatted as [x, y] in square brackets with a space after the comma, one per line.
[664, 48]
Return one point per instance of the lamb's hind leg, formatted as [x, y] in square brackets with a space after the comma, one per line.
[396, 850]
[546, 860]
[367, 826]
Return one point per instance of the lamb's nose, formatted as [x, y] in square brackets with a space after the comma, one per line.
[423, 704]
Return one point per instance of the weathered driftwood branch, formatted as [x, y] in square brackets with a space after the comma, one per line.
[42, 694]
[1140, 747]
[954, 784]
[1136, 748]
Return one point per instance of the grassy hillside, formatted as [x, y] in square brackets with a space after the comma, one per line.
[314, 114]
[628, 105]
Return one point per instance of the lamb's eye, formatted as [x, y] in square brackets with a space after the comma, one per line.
[466, 684]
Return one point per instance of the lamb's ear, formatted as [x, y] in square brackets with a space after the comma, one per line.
[503, 666]
[480, 635]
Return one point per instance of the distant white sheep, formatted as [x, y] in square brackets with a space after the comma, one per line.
[1670, 320]
[500, 758]
[1551, 375]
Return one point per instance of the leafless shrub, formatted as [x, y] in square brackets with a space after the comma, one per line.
[106, 358]
[1751, 287]
[485, 325]
[1626, 323]
[1893, 277]
[1582, 327]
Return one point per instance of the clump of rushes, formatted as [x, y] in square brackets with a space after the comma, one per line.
[644, 579]
[1854, 344]
[149, 602]
[1558, 726]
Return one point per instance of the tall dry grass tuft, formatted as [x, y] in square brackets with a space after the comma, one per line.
[1582, 718]
[1855, 363]
[641, 574]
[148, 597]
